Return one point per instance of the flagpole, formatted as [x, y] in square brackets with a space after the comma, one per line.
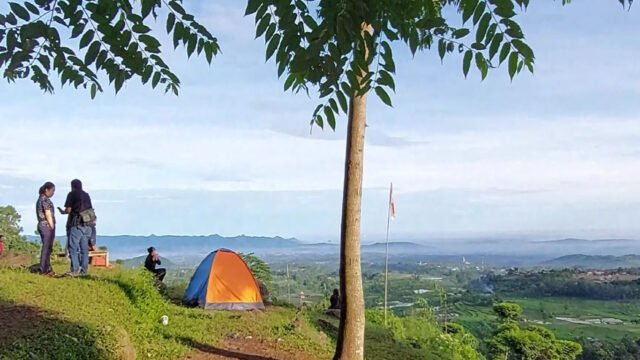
[386, 255]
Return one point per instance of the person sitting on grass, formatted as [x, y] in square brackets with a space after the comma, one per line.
[152, 260]
[1, 244]
[334, 306]
[335, 300]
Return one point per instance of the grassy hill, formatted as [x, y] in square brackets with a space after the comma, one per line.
[115, 314]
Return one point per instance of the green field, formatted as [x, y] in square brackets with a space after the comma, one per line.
[478, 319]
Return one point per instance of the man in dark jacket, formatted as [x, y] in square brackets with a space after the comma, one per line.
[151, 261]
[79, 228]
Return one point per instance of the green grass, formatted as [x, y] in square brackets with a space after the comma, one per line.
[478, 319]
[113, 313]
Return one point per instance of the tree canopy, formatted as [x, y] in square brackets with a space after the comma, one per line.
[78, 40]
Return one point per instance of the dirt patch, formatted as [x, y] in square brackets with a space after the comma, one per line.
[18, 321]
[244, 349]
[14, 260]
[126, 351]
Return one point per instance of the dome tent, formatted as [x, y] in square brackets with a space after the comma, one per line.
[223, 281]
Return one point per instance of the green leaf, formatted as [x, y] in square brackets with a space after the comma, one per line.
[86, 39]
[331, 119]
[290, 80]
[146, 74]
[483, 27]
[506, 49]
[515, 33]
[343, 101]
[140, 28]
[77, 30]
[149, 41]
[442, 49]
[479, 11]
[20, 11]
[529, 65]
[252, 7]
[513, 64]
[495, 45]
[120, 77]
[523, 48]
[155, 80]
[504, 12]
[94, 90]
[334, 105]
[482, 65]
[469, 7]
[466, 62]
[46, 63]
[413, 41]
[178, 32]
[386, 79]
[460, 33]
[208, 52]
[271, 29]
[171, 20]
[382, 94]
[191, 44]
[92, 53]
[262, 25]
[273, 45]
[346, 88]
[32, 8]
[177, 7]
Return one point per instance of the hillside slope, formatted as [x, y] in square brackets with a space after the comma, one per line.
[115, 314]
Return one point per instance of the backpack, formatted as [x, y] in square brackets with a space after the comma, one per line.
[88, 216]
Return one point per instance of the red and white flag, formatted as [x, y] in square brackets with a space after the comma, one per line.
[392, 203]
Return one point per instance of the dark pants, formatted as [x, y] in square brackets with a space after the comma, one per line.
[47, 235]
[160, 273]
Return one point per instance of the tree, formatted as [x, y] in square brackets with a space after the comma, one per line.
[11, 229]
[510, 341]
[507, 311]
[260, 269]
[112, 37]
[343, 48]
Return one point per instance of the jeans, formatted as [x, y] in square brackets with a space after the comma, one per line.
[47, 235]
[79, 248]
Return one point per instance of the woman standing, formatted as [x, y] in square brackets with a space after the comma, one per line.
[46, 225]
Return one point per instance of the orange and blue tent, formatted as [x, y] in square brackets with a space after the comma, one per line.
[224, 281]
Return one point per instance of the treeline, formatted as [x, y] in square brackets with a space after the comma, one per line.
[566, 283]
[626, 349]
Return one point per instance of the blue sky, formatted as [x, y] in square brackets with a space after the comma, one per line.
[549, 155]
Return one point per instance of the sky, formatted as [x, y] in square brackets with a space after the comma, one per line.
[554, 154]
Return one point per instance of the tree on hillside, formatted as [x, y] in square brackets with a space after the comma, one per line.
[260, 269]
[344, 50]
[510, 341]
[11, 229]
[507, 311]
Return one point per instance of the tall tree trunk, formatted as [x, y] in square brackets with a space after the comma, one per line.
[351, 331]
[352, 322]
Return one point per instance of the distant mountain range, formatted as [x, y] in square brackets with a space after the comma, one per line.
[594, 261]
[503, 251]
